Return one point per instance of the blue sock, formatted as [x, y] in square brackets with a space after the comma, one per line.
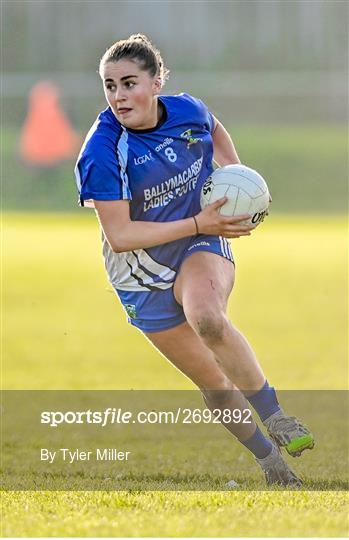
[258, 444]
[264, 402]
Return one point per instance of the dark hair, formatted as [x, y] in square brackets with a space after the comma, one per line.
[137, 47]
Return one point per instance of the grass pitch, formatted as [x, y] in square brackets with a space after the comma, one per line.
[65, 329]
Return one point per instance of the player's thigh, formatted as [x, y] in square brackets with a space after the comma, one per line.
[183, 348]
[204, 283]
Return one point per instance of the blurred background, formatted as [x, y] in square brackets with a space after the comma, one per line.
[275, 72]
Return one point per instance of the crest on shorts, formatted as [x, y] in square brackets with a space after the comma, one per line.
[131, 310]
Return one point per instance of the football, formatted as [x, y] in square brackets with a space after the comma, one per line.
[245, 188]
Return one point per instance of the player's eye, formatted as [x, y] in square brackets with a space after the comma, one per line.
[130, 84]
[111, 87]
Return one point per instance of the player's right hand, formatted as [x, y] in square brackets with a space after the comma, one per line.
[209, 221]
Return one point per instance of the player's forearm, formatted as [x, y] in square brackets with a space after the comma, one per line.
[145, 234]
[223, 146]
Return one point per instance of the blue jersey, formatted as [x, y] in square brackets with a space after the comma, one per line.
[160, 171]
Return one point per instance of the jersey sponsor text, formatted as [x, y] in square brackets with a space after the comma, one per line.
[178, 185]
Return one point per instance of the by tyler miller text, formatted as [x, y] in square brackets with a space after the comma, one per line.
[74, 455]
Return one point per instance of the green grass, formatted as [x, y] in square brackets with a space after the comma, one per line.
[62, 315]
[64, 328]
[176, 514]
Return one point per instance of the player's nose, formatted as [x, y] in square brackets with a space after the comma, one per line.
[120, 95]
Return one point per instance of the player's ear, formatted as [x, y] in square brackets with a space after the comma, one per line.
[157, 85]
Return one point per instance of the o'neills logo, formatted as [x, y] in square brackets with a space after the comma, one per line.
[203, 243]
[163, 145]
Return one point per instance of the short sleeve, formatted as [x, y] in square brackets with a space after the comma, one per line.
[209, 118]
[99, 175]
[203, 112]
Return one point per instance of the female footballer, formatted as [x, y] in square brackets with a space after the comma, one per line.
[142, 167]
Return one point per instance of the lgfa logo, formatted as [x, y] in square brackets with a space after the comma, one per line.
[143, 159]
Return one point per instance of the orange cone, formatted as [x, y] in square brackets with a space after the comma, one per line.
[47, 136]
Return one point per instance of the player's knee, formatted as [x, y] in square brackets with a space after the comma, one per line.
[210, 326]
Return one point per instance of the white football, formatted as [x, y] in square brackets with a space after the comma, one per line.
[245, 188]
